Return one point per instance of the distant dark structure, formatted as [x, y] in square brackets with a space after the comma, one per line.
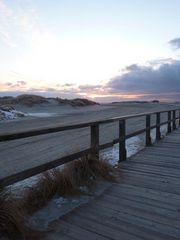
[155, 101]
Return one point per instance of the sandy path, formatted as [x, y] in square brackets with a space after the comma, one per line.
[18, 155]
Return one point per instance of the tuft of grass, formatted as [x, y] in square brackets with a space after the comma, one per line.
[66, 182]
[12, 219]
[83, 171]
[86, 170]
[39, 195]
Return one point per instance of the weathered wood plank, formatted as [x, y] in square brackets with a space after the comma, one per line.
[113, 220]
[168, 198]
[99, 228]
[135, 218]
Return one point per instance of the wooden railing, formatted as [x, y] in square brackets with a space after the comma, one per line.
[172, 117]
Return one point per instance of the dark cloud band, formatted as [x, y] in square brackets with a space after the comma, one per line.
[148, 80]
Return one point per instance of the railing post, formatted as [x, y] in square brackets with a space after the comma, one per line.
[122, 140]
[158, 130]
[169, 121]
[179, 117]
[148, 130]
[174, 119]
[95, 141]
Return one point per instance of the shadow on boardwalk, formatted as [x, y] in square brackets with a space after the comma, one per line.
[144, 204]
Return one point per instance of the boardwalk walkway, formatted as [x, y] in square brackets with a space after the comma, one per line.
[144, 204]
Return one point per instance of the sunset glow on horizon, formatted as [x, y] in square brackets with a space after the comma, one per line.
[104, 50]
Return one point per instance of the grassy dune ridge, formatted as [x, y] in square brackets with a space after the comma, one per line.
[31, 100]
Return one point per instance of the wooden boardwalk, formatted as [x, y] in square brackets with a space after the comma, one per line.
[143, 204]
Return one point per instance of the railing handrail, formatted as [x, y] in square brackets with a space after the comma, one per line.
[48, 130]
[95, 145]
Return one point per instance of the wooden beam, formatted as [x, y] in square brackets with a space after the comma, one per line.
[122, 141]
[41, 168]
[174, 119]
[148, 130]
[95, 141]
[158, 130]
[169, 121]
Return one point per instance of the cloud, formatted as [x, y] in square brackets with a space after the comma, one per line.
[89, 88]
[9, 85]
[175, 43]
[6, 19]
[148, 80]
[5, 9]
[67, 85]
[18, 24]
[21, 83]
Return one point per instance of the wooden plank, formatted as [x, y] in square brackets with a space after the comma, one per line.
[131, 195]
[132, 218]
[76, 232]
[171, 199]
[99, 228]
[161, 170]
[148, 218]
[166, 159]
[112, 219]
[155, 162]
[148, 176]
[171, 215]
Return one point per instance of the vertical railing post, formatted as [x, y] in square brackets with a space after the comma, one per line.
[95, 141]
[174, 119]
[158, 130]
[148, 130]
[179, 117]
[122, 140]
[169, 121]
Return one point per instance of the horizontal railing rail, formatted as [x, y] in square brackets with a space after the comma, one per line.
[31, 133]
[95, 145]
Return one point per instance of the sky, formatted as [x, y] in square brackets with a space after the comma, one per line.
[106, 50]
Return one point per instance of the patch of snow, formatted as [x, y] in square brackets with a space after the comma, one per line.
[17, 188]
[56, 208]
[10, 114]
[163, 130]
[84, 189]
[133, 145]
[41, 114]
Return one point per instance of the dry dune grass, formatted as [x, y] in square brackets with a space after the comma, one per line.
[38, 195]
[25, 99]
[65, 182]
[12, 219]
[86, 170]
